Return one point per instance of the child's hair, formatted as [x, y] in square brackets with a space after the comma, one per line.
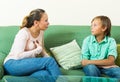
[106, 22]
[28, 21]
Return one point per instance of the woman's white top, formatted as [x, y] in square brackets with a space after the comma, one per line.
[23, 45]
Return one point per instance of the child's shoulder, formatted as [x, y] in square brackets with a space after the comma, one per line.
[110, 39]
[89, 38]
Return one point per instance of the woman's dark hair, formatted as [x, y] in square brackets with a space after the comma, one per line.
[28, 21]
[106, 22]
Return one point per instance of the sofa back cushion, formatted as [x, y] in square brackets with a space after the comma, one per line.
[7, 34]
[57, 35]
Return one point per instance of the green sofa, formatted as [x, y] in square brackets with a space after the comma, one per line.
[55, 35]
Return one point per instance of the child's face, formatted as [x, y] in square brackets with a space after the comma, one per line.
[96, 27]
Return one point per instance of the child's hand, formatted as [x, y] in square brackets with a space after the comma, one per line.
[85, 62]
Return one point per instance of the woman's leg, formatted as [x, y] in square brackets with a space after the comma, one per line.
[91, 70]
[46, 78]
[30, 65]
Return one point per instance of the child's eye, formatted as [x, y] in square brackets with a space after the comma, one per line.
[94, 25]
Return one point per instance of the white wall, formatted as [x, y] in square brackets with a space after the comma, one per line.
[60, 12]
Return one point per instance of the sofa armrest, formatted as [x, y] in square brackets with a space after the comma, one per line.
[118, 57]
[2, 57]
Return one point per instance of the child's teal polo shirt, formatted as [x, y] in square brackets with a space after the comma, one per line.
[93, 50]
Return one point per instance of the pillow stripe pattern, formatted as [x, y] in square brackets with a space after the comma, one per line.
[67, 55]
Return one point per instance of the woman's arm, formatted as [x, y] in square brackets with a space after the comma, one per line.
[44, 53]
[18, 47]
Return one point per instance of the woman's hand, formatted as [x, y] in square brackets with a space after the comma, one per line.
[37, 43]
[38, 46]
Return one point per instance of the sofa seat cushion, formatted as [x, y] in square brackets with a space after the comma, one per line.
[72, 72]
[9, 78]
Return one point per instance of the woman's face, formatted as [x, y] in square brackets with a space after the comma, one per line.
[43, 23]
[96, 27]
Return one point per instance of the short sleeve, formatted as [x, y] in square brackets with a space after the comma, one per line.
[85, 48]
[112, 50]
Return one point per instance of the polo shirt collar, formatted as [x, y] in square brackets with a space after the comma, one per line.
[104, 40]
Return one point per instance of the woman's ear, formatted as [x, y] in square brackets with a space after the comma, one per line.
[36, 23]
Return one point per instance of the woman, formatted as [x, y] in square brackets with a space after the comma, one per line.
[28, 44]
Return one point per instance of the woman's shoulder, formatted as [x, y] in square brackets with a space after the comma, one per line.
[23, 32]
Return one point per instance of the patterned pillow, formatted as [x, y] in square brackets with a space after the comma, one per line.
[68, 55]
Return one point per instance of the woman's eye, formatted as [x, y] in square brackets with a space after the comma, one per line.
[46, 20]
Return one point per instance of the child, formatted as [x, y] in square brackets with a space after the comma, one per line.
[99, 50]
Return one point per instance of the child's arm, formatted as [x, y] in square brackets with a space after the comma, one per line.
[104, 62]
[111, 56]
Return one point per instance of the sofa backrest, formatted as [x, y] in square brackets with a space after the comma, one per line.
[7, 34]
[57, 35]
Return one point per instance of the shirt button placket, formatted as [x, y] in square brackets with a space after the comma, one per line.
[98, 50]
